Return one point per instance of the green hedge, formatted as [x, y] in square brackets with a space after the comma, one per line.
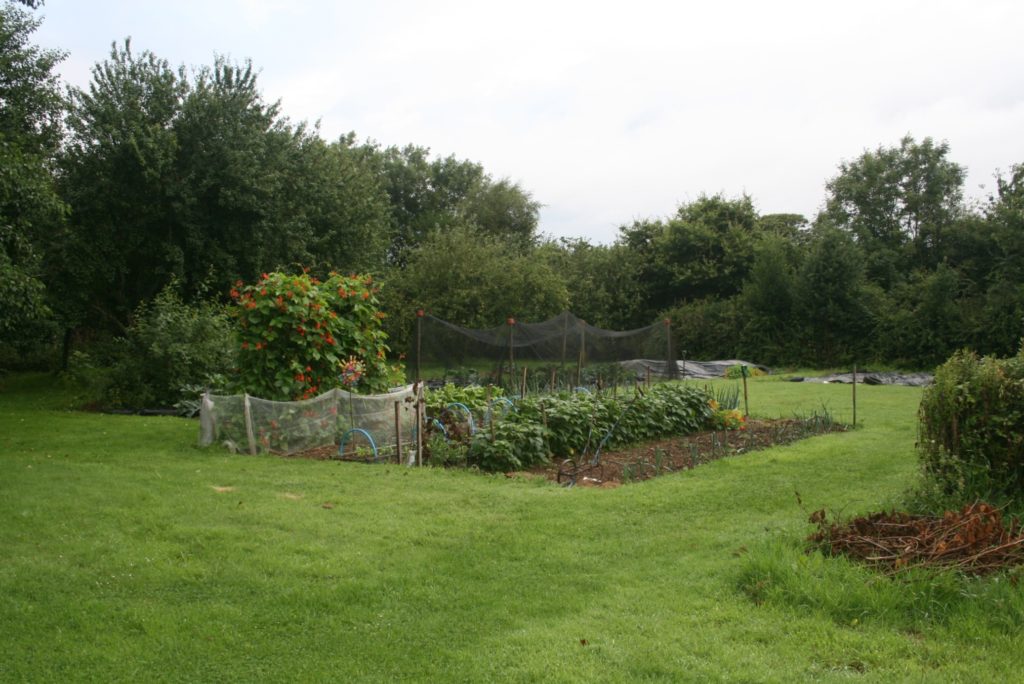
[971, 440]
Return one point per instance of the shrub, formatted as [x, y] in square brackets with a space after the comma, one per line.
[300, 336]
[735, 372]
[169, 346]
[970, 440]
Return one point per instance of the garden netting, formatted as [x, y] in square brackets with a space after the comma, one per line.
[561, 352]
[365, 425]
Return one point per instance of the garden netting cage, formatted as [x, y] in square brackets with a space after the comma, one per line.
[560, 353]
[367, 427]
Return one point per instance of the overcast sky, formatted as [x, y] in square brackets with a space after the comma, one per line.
[607, 112]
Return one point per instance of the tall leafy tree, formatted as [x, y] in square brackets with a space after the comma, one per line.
[767, 301]
[31, 106]
[199, 179]
[474, 280]
[831, 301]
[430, 195]
[122, 246]
[703, 251]
[602, 281]
[898, 203]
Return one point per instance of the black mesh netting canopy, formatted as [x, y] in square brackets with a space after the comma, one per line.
[561, 352]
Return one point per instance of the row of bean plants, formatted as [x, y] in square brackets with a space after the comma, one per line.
[557, 426]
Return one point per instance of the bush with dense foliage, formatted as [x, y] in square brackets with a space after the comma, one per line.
[300, 336]
[971, 443]
[170, 348]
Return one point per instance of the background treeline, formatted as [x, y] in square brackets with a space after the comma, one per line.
[157, 179]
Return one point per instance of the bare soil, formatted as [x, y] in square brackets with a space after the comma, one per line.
[652, 459]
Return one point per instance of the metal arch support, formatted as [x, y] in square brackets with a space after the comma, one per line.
[436, 423]
[469, 414]
[361, 431]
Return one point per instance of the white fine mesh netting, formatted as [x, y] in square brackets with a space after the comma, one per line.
[290, 427]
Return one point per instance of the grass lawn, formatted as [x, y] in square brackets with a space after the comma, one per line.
[128, 554]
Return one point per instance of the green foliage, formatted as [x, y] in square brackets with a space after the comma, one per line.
[737, 371]
[898, 202]
[512, 445]
[707, 328]
[476, 398]
[602, 281]
[475, 279]
[300, 336]
[31, 105]
[971, 444]
[830, 299]
[443, 452]
[568, 425]
[171, 351]
[24, 313]
[202, 180]
[430, 196]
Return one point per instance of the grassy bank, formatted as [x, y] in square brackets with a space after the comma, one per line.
[129, 554]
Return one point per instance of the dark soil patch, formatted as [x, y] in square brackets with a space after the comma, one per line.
[652, 459]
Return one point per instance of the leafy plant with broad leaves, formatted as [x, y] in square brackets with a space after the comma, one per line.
[300, 336]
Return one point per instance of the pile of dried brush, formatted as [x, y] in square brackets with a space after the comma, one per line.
[975, 539]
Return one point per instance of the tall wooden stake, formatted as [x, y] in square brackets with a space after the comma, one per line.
[579, 362]
[398, 432]
[746, 402]
[418, 392]
[854, 395]
[419, 342]
[511, 354]
[250, 433]
[671, 370]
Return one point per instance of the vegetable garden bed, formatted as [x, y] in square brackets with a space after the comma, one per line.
[665, 456]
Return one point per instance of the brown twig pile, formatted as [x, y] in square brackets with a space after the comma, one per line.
[974, 539]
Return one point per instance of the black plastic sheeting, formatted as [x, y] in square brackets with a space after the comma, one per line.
[686, 369]
[874, 378]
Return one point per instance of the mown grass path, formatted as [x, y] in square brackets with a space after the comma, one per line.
[129, 554]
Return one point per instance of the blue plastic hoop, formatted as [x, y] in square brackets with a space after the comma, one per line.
[361, 431]
[469, 415]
